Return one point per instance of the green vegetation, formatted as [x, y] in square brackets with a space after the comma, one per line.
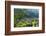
[20, 14]
[24, 23]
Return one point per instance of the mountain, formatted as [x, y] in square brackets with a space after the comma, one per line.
[33, 13]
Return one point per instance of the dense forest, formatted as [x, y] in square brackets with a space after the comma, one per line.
[26, 17]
